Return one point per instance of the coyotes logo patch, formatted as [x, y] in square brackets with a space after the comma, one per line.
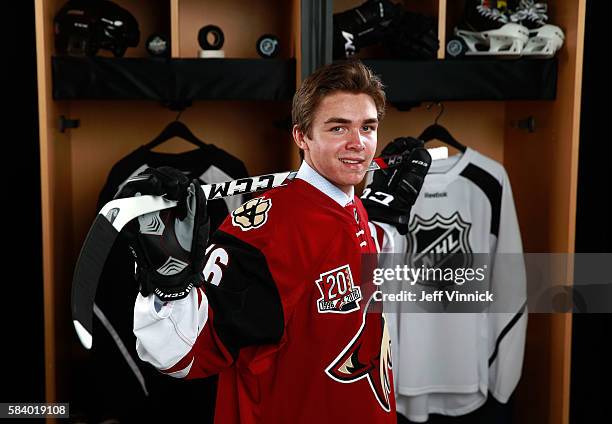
[339, 294]
[367, 356]
[252, 214]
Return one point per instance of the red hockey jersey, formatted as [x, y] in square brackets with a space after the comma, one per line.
[284, 318]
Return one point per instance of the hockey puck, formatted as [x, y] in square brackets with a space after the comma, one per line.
[213, 31]
[456, 48]
[157, 45]
[268, 45]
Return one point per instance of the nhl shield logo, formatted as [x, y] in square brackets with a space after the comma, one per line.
[252, 214]
[339, 294]
[440, 242]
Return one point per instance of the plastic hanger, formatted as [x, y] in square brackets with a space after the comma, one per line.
[438, 132]
[175, 129]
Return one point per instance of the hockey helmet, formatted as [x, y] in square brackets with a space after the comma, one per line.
[82, 27]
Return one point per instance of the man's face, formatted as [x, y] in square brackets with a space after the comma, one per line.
[344, 136]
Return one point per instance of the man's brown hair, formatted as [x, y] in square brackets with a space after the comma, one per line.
[350, 76]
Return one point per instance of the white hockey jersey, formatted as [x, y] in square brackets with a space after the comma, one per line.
[447, 363]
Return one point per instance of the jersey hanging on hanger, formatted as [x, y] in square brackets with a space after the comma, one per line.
[447, 363]
[124, 382]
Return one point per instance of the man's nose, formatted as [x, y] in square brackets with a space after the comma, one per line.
[355, 141]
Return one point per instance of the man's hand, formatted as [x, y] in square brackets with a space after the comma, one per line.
[169, 245]
[393, 191]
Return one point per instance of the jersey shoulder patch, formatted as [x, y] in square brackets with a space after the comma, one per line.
[252, 214]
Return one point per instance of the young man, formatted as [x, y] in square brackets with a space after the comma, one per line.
[274, 303]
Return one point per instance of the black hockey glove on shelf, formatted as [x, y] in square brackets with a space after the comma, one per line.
[412, 36]
[393, 191]
[362, 26]
[169, 245]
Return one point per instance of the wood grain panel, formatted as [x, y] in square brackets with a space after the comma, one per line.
[242, 24]
[543, 169]
[56, 216]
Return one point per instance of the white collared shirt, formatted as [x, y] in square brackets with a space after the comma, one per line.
[321, 183]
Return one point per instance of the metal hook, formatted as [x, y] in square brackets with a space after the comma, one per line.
[68, 123]
[441, 106]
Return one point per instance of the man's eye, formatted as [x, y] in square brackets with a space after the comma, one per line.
[368, 128]
[336, 129]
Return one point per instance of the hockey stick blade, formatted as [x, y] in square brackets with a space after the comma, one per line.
[117, 213]
[100, 240]
[96, 248]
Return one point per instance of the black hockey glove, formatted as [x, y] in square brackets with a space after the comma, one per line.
[169, 245]
[362, 26]
[412, 36]
[393, 191]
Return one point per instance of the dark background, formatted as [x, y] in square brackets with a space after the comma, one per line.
[23, 333]
[591, 349]
[24, 339]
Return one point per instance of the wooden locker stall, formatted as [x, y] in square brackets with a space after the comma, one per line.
[542, 166]
[75, 162]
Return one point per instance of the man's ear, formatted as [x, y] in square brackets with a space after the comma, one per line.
[298, 138]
